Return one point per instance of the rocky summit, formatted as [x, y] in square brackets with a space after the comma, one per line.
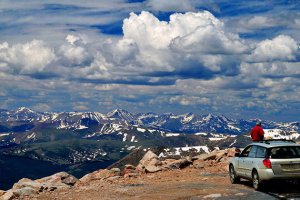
[114, 183]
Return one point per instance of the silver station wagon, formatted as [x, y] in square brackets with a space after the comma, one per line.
[266, 160]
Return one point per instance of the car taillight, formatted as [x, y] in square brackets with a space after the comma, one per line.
[267, 163]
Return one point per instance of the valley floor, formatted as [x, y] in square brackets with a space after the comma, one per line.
[189, 183]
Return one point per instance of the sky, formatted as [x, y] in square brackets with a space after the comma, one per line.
[240, 58]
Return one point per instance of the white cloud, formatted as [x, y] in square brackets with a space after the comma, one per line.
[270, 69]
[26, 58]
[200, 32]
[75, 55]
[282, 47]
[72, 39]
[171, 5]
[189, 100]
[257, 22]
[75, 52]
[185, 39]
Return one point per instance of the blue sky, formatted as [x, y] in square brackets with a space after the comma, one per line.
[237, 58]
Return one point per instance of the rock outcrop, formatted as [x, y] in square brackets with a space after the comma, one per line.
[27, 187]
[100, 175]
[150, 163]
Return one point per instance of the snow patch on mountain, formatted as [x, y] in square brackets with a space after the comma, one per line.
[80, 127]
[201, 133]
[125, 136]
[31, 136]
[280, 134]
[177, 151]
[141, 130]
[172, 134]
[4, 134]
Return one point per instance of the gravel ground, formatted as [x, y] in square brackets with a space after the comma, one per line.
[186, 184]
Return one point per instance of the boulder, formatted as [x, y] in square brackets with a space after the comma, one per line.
[149, 163]
[27, 183]
[152, 169]
[61, 178]
[71, 180]
[150, 158]
[100, 174]
[9, 195]
[221, 153]
[28, 187]
[2, 192]
[231, 152]
[179, 164]
[115, 172]
[26, 191]
[85, 179]
[210, 156]
[129, 166]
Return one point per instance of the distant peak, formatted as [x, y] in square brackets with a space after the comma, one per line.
[24, 109]
[118, 110]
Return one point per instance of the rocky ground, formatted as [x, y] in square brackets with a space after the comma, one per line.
[201, 177]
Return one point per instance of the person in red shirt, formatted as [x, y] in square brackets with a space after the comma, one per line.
[257, 133]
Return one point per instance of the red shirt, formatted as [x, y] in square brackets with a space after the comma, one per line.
[257, 133]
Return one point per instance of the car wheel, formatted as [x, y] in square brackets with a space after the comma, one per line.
[256, 181]
[232, 174]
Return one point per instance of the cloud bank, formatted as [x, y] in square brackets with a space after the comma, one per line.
[193, 60]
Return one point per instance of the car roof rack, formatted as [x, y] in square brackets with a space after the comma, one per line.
[276, 140]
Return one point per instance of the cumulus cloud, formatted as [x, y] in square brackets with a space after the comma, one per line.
[72, 39]
[190, 39]
[26, 58]
[200, 32]
[282, 47]
[75, 52]
[272, 69]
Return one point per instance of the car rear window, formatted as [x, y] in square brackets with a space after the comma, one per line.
[285, 152]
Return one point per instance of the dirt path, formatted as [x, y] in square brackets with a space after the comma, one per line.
[190, 184]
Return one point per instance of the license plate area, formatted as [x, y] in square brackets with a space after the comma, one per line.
[290, 167]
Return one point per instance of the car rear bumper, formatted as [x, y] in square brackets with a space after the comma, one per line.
[268, 174]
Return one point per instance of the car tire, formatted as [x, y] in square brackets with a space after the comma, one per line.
[232, 175]
[256, 182]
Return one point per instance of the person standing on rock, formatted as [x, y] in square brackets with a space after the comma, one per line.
[257, 133]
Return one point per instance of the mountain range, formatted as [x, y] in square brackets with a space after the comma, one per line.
[26, 126]
[80, 142]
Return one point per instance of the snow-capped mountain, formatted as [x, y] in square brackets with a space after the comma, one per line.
[186, 123]
[25, 125]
